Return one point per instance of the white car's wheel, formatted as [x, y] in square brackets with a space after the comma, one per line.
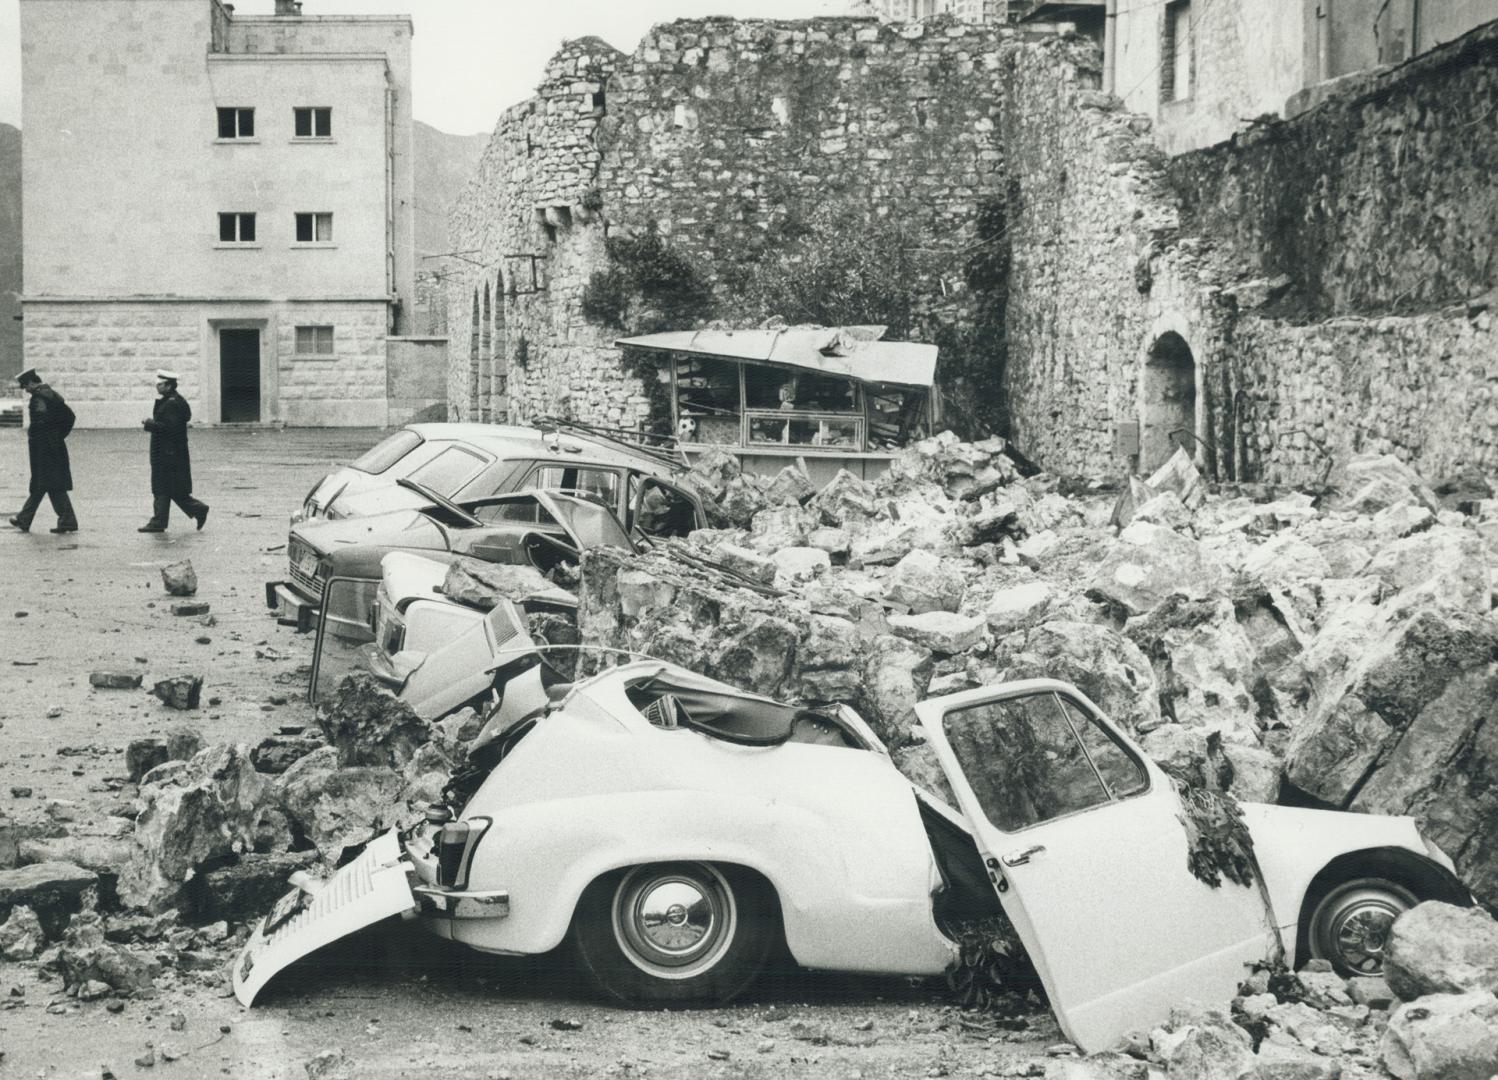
[674, 932]
[1350, 925]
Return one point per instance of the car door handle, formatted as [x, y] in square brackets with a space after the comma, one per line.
[1019, 858]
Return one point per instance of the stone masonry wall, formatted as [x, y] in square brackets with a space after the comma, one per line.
[714, 131]
[1379, 201]
[102, 358]
[1106, 269]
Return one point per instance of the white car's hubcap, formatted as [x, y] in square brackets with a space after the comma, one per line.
[674, 922]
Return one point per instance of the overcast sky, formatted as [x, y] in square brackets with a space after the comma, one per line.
[472, 58]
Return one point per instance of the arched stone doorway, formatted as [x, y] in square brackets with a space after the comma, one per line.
[473, 361]
[1169, 391]
[486, 360]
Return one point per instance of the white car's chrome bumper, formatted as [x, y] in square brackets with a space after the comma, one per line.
[458, 904]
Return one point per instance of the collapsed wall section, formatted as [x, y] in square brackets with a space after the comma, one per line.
[724, 136]
[1091, 217]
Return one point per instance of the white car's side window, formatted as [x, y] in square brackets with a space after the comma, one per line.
[1030, 759]
[446, 472]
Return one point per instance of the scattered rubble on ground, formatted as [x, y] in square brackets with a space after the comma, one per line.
[180, 691]
[180, 579]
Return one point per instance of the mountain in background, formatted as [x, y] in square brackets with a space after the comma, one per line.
[10, 251]
[444, 165]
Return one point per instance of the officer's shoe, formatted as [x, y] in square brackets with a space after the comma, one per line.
[202, 517]
[24, 526]
[64, 529]
[152, 526]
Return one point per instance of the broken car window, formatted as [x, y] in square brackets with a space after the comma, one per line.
[1123, 775]
[596, 485]
[1023, 760]
[663, 511]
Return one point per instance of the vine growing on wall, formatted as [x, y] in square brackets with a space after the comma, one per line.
[972, 357]
[655, 382]
[647, 286]
[835, 266]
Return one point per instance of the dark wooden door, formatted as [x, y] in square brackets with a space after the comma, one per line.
[239, 375]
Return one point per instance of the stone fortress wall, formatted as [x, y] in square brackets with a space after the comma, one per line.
[714, 131]
[1307, 290]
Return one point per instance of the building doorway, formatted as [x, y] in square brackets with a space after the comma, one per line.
[239, 376]
[1169, 419]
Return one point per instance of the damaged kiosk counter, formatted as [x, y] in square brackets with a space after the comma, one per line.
[832, 398]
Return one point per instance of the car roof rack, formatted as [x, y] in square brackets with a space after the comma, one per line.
[661, 448]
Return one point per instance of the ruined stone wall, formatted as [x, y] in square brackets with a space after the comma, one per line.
[1110, 275]
[717, 132]
[1090, 212]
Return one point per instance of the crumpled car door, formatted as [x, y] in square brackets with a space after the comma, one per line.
[1084, 842]
[344, 633]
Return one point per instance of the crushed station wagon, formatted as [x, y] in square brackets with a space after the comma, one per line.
[674, 830]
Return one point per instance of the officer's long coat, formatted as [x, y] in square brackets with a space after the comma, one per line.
[50, 421]
[171, 469]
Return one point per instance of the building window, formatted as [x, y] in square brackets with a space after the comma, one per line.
[1177, 56]
[236, 228]
[314, 341]
[314, 123]
[314, 228]
[236, 123]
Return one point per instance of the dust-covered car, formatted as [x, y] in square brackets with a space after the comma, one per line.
[628, 472]
[674, 831]
[381, 584]
[540, 528]
[463, 461]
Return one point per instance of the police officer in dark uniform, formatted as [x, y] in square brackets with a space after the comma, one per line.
[171, 469]
[51, 420]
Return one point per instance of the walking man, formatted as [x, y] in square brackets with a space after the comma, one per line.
[171, 470]
[51, 475]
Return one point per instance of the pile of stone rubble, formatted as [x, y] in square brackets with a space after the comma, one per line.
[1337, 648]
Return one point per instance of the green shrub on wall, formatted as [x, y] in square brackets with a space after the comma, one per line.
[647, 287]
[830, 265]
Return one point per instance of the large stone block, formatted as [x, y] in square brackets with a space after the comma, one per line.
[1438, 948]
[1443, 1037]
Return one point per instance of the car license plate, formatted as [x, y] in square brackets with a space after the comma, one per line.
[306, 565]
[285, 908]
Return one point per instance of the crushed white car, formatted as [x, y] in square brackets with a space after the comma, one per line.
[674, 830]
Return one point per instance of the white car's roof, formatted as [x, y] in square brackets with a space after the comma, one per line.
[511, 440]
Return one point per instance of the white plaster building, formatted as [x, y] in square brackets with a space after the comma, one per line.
[1203, 69]
[226, 195]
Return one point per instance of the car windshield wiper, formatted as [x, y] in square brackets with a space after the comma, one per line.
[443, 501]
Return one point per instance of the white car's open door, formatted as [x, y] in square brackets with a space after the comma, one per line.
[1083, 840]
